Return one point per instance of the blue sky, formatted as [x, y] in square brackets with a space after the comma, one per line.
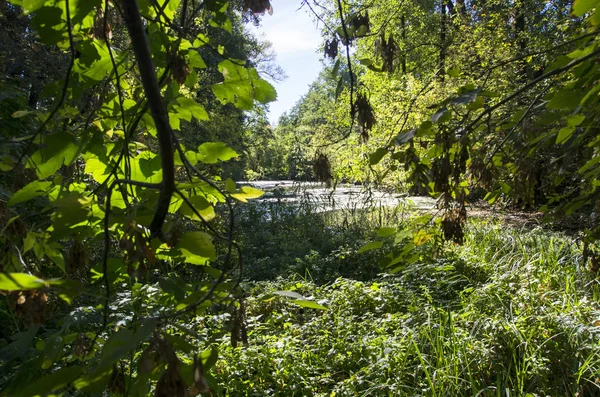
[296, 40]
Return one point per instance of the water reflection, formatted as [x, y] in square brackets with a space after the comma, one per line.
[344, 196]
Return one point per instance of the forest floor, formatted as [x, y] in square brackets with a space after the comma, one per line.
[512, 312]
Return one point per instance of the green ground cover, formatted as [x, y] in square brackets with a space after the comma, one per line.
[512, 312]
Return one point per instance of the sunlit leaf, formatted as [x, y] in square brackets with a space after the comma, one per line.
[20, 281]
[230, 185]
[212, 152]
[386, 231]
[202, 206]
[57, 150]
[31, 190]
[289, 294]
[308, 303]
[453, 72]
[580, 7]
[197, 244]
[246, 193]
[404, 137]
[242, 86]
[440, 116]
[564, 134]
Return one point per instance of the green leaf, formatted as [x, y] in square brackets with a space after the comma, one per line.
[581, 7]
[22, 113]
[197, 244]
[98, 169]
[230, 185]
[564, 100]
[71, 211]
[57, 150]
[20, 281]
[404, 137]
[194, 60]
[309, 304]
[289, 294]
[242, 86]
[121, 343]
[453, 72]
[300, 300]
[386, 231]
[339, 87]
[49, 23]
[188, 108]
[29, 6]
[373, 245]
[209, 357]
[29, 242]
[375, 158]
[211, 152]
[179, 343]
[22, 341]
[425, 126]
[55, 256]
[67, 290]
[489, 94]
[478, 103]
[146, 167]
[366, 61]
[575, 120]
[247, 193]
[203, 207]
[117, 200]
[564, 134]
[31, 190]
[95, 382]
[211, 193]
[50, 383]
[336, 68]
[440, 116]
[589, 164]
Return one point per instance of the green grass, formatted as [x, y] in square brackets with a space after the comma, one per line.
[512, 312]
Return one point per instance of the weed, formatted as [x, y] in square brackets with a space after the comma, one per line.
[510, 313]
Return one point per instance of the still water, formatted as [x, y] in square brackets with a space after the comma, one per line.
[344, 196]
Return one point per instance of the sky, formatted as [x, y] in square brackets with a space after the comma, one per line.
[296, 40]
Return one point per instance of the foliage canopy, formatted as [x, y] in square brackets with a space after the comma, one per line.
[122, 121]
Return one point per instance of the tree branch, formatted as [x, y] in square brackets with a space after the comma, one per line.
[141, 48]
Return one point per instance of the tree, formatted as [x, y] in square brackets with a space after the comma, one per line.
[475, 96]
[108, 156]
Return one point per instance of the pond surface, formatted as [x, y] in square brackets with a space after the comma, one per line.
[344, 196]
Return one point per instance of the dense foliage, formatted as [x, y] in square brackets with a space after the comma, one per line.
[507, 313]
[458, 100]
[112, 172]
[132, 264]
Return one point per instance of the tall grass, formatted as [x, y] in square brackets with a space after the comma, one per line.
[512, 312]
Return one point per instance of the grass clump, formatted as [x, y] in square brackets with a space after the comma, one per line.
[511, 312]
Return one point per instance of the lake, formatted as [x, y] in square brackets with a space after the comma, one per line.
[344, 196]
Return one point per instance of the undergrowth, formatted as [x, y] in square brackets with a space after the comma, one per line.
[512, 312]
